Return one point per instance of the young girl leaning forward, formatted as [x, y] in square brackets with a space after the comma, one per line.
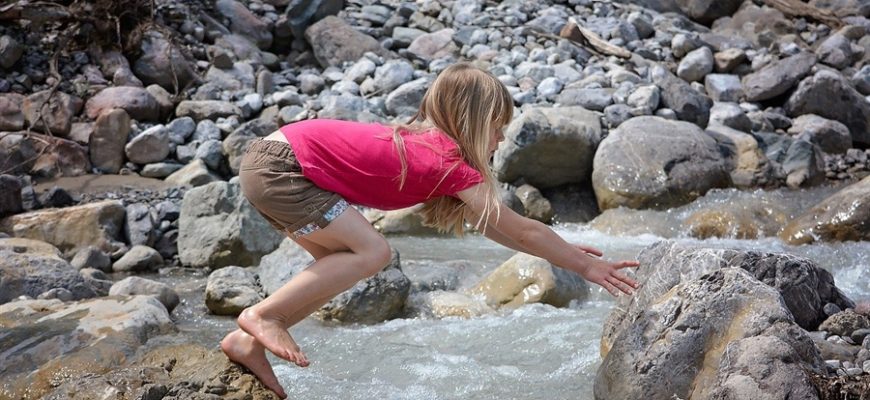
[302, 178]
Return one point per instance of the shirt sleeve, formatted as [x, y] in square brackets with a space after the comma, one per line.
[460, 178]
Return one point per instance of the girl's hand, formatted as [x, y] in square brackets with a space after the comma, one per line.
[607, 274]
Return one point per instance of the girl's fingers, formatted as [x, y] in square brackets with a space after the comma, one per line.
[624, 278]
[625, 264]
[610, 288]
[591, 250]
[624, 287]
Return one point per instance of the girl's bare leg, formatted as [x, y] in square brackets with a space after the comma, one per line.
[360, 252]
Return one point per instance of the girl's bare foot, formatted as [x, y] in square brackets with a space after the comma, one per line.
[272, 335]
[244, 349]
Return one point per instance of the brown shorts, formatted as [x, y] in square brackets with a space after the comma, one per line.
[272, 180]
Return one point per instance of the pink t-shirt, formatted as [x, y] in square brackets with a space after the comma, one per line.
[360, 162]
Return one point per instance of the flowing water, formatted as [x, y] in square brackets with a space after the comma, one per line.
[535, 352]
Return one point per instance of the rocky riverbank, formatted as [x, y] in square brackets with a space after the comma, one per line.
[118, 158]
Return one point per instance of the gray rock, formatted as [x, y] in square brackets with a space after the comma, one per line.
[829, 95]
[301, 14]
[250, 104]
[831, 136]
[361, 69]
[405, 100]
[211, 153]
[160, 170]
[11, 115]
[536, 206]
[10, 197]
[616, 114]
[292, 114]
[232, 289]
[288, 98]
[692, 316]
[835, 51]
[206, 109]
[56, 293]
[688, 104]
[730, 115]
[335, 42]
[549, 87]
[92, 257]
[152, 145]
[194, 174]
[728, 59]
[707, 11]
[135, 286]
[164, 99]
[31, 267]
[748, 164]
[678, 163]
[804, 164]
[590, 99]
[642, 25]
[845, 323]
[434, 45]
[245, 23]
[345, 107]
[218, 227]
[56, 197]
[162, 63]
[778, 77]
[403, 36]
[645, 99]
[139, 258]
[139, 227]
[136, 101]
[696, 65]
[537, 72]
[548, 146]
[180, 129]
[861, 80]
[10, 52]
[311, 83]
[721, 87]
[388, 77]
[444, 304]
[206, 130]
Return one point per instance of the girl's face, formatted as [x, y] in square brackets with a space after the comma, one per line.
[495, 137]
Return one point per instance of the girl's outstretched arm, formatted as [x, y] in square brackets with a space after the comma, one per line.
[536, 238]
[505, 241]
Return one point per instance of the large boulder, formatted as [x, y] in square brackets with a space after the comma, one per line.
[301, 14]
[51, 111]
[549, 147]
[689, 104]
[139, 258]
[136, 101]
[31, 267]
[829, 95]
[372, 300]
[163, 63]
[435, 45]
[218, 227]
[723, 335]
[804, 287]
[737, 220]
[525, 279]
[777, 77]
[150, 146]
[106, 146]
[59, 157]
[74, 339]
[134, 286]
[443, 304]
[845, 215]
[245, 23]
[194, 174]
[96, 224]
[206, 109]
[831, 136]
[748, 165]
[335, 42]
[232, 289]
[651, 162]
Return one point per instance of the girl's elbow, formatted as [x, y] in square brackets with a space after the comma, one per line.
[530, 233]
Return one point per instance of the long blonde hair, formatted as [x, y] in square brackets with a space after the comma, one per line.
[466, 104]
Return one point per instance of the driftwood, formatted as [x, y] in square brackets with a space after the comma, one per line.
[797, 8]
[578, 34]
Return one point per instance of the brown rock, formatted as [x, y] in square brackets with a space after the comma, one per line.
[137, 102]
[842, 216]
[56, 111]
[434, 45]
[59, 157]
[108, 140]
[334, 42]
[11, 116]
[69, 229]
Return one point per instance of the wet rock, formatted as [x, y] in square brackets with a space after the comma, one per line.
[218, 227]
[206, 109]
[245, 23]
[525, 279]
[10, 197]
[726, 328]
[434, 45]
[442, 304]
[805, 288]
[335, 42]
[194, 174]
[31, 267]
[679, 163]
[548, 147]
[73, 339]
[737, 222]
[136, 286]
[842, 216]
[92, 257]
[51, 111]
[831, 136]
[10, 51]
[777, 77]
[139, 258]
[94, 224]
[844, 323]
[829, 95]
[232, 289]
[11, 114]
[137, 102]
[163, 64]
[688, 104]
[696, 65]
[152, 145]
[536, 206]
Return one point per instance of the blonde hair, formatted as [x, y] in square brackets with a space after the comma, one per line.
[466, 104]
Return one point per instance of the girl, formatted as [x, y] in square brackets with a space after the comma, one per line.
[302, 178]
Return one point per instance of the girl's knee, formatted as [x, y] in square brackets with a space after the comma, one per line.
[378, 256]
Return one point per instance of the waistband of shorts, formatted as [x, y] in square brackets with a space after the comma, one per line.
[271, 147]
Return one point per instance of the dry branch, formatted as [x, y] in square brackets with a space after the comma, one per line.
[797, 8]
[576, 33]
